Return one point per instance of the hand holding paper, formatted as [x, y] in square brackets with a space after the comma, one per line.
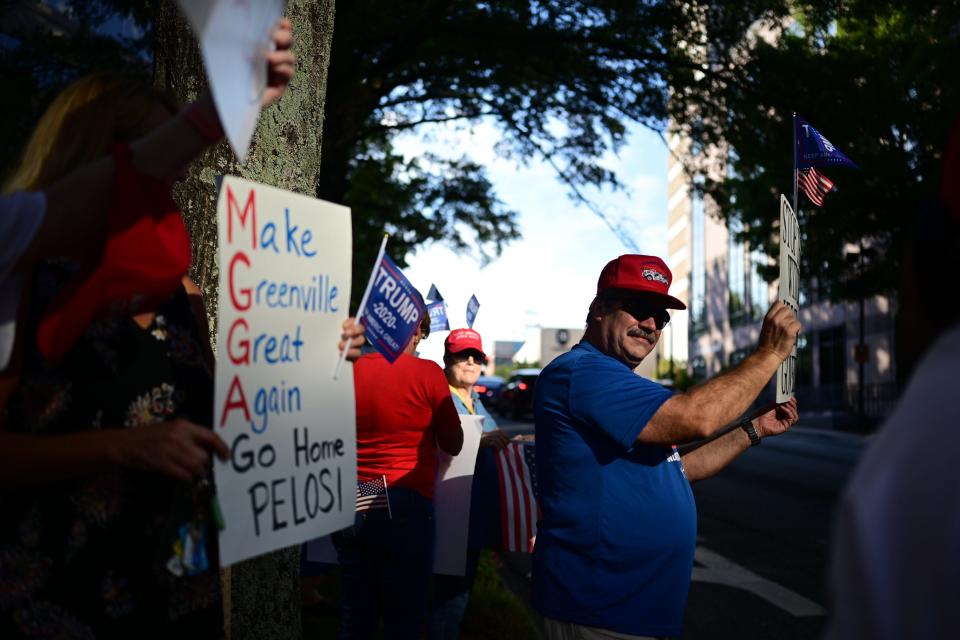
[236, 38]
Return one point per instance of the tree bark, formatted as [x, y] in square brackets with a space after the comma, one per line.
[262, 595]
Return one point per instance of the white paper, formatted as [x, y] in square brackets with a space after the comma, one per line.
[234, 39]
[451, 500]
[789, 292]
[292, 475]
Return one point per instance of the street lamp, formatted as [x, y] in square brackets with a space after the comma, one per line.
[855, 252]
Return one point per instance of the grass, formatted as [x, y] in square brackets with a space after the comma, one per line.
[493, 613]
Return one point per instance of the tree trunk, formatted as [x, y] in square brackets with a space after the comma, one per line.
[262, 595]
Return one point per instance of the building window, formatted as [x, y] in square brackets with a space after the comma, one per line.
[737, 299]
[698, 273]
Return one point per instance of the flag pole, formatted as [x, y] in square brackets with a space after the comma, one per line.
[796, 176]
[363, 300]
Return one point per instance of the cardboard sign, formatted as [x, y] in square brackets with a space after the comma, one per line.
[789, 293]
[451, 500]
[284, 294]
[234, 38]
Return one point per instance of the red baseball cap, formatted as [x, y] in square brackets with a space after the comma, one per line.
[462, 339]
[648, 274]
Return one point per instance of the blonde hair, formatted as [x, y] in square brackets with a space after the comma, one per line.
[80, 125]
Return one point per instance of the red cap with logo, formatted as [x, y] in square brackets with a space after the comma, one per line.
[632, 272]
[462, 339]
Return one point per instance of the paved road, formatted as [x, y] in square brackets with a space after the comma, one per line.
[764, 531]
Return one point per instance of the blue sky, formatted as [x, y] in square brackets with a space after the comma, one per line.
[548, 277]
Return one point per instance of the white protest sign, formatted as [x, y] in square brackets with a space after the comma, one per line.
[234, 38]
[451, 500]
[789, 293]
[284, 292]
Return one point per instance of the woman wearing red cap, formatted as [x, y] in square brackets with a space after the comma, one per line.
[404, 412]
[107, 527]
[463, 358]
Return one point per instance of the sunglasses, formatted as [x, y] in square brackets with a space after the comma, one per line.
[642, 309]
[463, 356]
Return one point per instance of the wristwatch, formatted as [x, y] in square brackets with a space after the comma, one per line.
[747, 426]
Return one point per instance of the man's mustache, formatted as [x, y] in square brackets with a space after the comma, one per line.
[640, 332]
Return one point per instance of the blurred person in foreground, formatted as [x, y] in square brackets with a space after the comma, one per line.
[404, 412]
[615, 543]
[463, 358]
[57, 202]
[895, 571]
[107, 527]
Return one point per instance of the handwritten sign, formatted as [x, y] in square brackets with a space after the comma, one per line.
[393, 311]
[284, 293]
[234, 38]
[789, 293]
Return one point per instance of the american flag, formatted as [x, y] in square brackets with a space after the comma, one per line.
[519, 510]
[372, 494]
[814, 184]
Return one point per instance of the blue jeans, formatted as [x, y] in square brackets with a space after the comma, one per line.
[450, 597]
[385, 565]
[451, 594]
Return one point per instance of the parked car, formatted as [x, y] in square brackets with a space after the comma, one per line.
[489, 388]
[516, 399]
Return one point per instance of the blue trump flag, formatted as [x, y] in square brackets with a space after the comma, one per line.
[438, 316]
[814, 150]
[434, 295]
[473, 306]
[393, 311]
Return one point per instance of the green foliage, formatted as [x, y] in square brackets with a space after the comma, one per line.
[493, 612]
[675, 370]
[44, 50]
[878, 79]
[558, 78]
[504, 371]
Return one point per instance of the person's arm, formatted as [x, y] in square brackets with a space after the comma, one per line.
[77, 205]
[177, 448]
[447, 427]
[708, 408]
[702, 460]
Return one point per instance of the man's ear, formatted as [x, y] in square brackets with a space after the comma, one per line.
[596, 309]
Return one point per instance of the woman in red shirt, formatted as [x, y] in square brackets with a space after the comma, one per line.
[404, 411]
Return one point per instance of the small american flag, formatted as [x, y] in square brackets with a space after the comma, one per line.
[372, 494]
[519, 511]
[814, 184]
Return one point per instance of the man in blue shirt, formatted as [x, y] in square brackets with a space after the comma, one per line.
[615, 544]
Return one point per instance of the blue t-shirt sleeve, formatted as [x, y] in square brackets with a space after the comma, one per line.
[609, 397]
